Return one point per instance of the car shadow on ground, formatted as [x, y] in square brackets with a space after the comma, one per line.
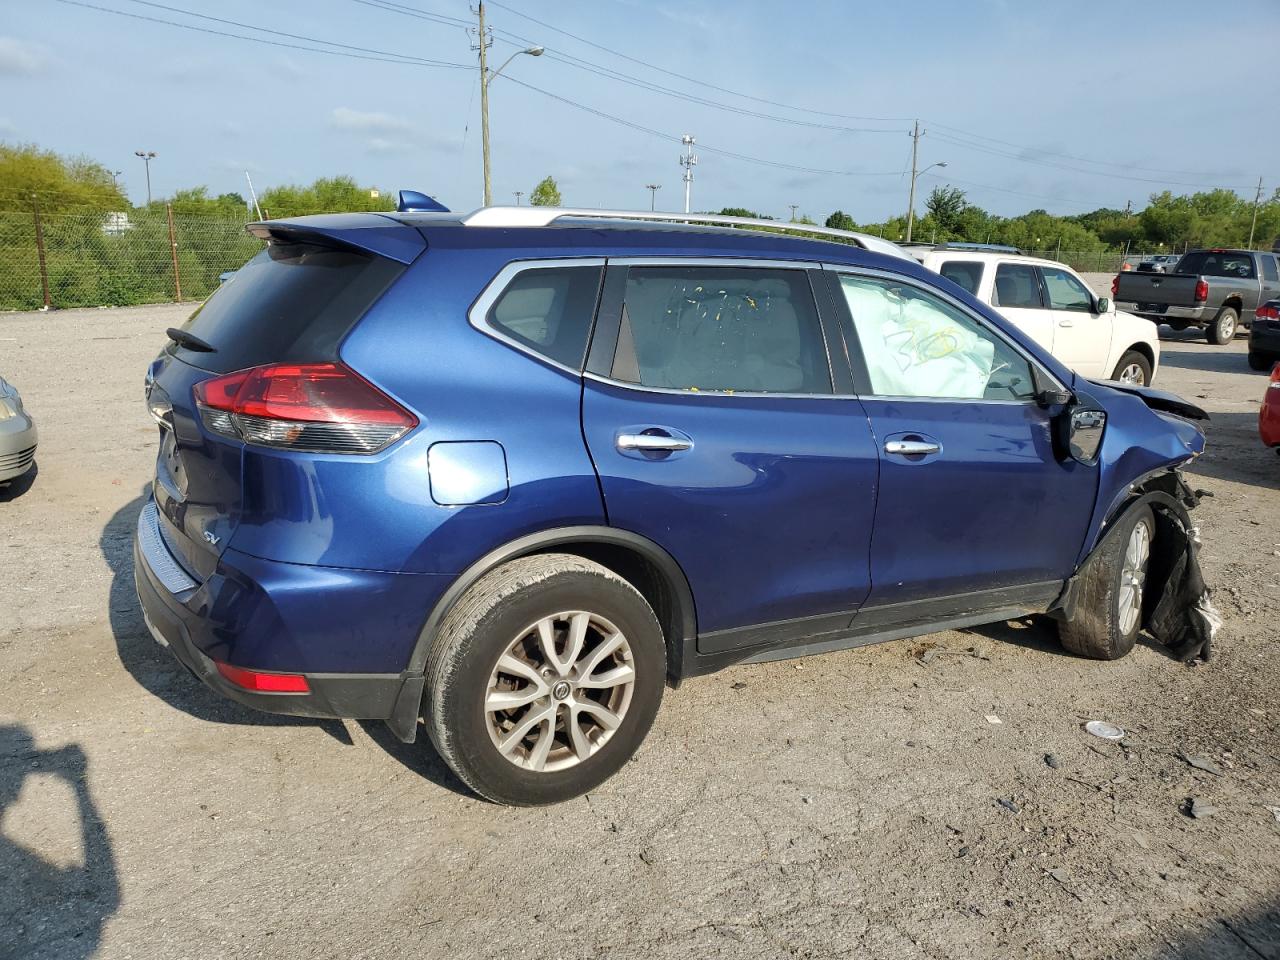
[1226, 361]
[52, 909]
[1234, 452]
[1245, 935]
[160, 674]
[1037, 633]
[13, 489]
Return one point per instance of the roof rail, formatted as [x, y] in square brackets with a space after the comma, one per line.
[544, 216]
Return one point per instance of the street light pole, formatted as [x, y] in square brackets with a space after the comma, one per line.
[519, 194]
[688, 160]
[483, 41]
[911, 196]
[653, 189]
[147, 156]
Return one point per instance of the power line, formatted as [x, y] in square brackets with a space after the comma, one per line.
[387, 58]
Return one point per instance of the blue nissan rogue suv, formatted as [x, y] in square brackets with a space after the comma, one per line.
[510, 473]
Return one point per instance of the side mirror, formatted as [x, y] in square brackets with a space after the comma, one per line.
[1085, 426]
[1104, 304]
[1047, 393]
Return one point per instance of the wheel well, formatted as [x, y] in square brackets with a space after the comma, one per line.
[1235, 303]
[1145, 350]
[643, 574]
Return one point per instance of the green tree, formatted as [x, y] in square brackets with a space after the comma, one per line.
[546, 194]
[63, 184]
[946, 206]
[326, 195]
[841, 221]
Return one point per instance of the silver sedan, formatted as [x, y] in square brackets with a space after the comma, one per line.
[17, 434]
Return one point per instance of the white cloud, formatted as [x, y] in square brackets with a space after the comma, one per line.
[386, 145]
[19, 57]
[344, 118]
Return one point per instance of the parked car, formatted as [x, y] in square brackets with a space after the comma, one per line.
[1264, 336]
[1269, 412]
[509, 472]
[18, 434]
[1050, 303]
[1158, 263]
[1213, 289]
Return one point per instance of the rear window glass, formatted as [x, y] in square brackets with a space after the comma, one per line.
[963, 273]
[1269, 268]
[1017, 286]
[292, 302]
[549, 310]
[1207, 263]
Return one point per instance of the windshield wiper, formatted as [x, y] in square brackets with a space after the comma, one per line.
[189, 340]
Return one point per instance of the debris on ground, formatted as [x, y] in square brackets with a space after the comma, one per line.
[1198, 809]
[926, 655]
[1200, 763]
[738, 686]
[1104, 730]
[992, 719]
[1008, 805]
[1051, 761]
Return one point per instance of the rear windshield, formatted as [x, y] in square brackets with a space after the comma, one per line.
[1207, 263]
[292, 302]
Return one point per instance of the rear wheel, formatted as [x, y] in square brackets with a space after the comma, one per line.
[1108, 612]
[1133, 368]
[1223, 328]
[1260, 360]
[544, 679]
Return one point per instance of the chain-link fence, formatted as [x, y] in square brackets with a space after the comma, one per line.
[114, 259]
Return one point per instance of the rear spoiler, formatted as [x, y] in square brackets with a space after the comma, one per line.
[368, 232]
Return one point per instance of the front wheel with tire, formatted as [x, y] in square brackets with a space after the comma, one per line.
[1223, 328]
[1108, 611]
[543, 679]
[1133, 368]
[1258, 360]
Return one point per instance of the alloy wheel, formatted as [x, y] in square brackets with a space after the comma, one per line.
[1226, 328]
[1133, 575]
[1134, 374]
[559, 691]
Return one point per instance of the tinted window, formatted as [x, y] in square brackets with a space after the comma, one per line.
[1065, 291]
[1208, 263]
[1016, 286]
[721, 328]
[964, 274]
[918, 345]
[291, 302]
[1269, 268]
[549, 310]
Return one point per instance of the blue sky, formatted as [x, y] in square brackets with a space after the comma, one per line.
[1065, 106]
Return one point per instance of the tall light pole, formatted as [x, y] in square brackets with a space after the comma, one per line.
[653, 189]
[687, 160]
[793, 211]
[147, 156]
[1253, 224]
[484, 40]
[519, 194]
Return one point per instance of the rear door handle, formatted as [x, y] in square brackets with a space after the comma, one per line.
[908, 448]
[1066, 323]
[652, 442]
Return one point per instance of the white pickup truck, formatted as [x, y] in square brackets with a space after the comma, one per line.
[1050, 303]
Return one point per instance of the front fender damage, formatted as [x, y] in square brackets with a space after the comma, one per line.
[1177, 606]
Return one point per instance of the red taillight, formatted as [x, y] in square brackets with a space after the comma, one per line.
[322, 407]
[1202, 290]
[1269, 311]
[260, 682]
[1115, 285]
[1275, 377]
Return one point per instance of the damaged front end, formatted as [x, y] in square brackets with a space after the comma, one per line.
[1149, 435]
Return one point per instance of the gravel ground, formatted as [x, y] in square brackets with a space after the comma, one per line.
[857, 804]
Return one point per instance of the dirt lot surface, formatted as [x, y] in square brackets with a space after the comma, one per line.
[861, 804]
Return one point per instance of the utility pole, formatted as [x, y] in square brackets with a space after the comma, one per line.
[793, 211]
[916, 134]
[484, 40]
[653, 189]
[519, 194]
[688, 161]
[1253, 224]
[147, 156]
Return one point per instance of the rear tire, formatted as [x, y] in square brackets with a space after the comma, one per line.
[510, 615]
[1133, 368]
[1224, 326]
[1108, 613]
[1258, 360]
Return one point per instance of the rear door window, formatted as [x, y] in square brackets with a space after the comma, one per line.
[1017, 286]
[1065, 291]
[292, 302]
[963, 273]
[734, 329]
[549, 310]
[1217, 263]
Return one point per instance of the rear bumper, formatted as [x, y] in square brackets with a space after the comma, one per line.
[1265, 339]
[233, 619]
[1188, 315]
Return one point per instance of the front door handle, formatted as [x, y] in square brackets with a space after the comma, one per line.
[908, 448]
[652, 442]
[1066, 323]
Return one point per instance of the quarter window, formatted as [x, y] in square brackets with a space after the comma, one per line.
[549, 310]
[963, 273]
[721, 328]
[918, 345]
[1016, 286]
[1065, 291]
[1269, 268]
